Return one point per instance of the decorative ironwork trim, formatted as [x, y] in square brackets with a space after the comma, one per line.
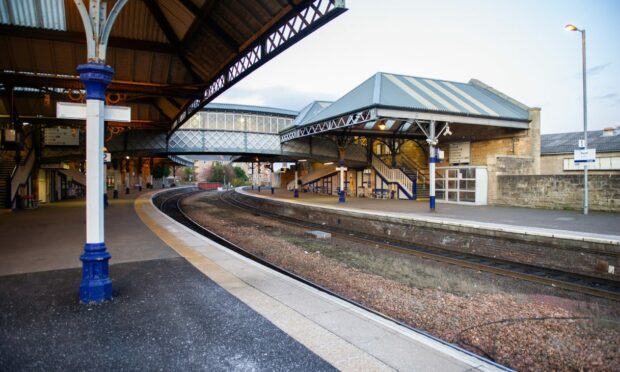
[282, 36]
[330, 125]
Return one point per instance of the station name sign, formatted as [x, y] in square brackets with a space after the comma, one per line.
[585, 156]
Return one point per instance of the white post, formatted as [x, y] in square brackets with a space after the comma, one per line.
[117, 179]
[96, 285]
[272, 176]
[94, 170]
[432, 159]
[296, 189]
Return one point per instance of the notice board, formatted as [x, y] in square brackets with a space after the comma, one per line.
[459, 153]
[62, 136]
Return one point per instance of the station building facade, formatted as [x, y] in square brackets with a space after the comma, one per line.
[469, 133]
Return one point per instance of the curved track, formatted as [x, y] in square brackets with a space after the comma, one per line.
[594, 286]
[169, 203]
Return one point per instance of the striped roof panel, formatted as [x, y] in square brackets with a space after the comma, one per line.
[423, 94]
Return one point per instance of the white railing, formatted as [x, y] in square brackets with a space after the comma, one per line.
[318, 174]
[393, 175]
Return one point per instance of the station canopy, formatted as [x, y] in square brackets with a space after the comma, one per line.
[392, 104]
[171, 57]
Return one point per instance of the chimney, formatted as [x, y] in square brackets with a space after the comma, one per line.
[609, 131]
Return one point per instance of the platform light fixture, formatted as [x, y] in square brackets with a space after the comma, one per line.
[302, 160]
[571, 27]
[329, 163]
[382, 126]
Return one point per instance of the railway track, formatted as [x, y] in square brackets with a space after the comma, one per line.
[169, 203]
[593, 286]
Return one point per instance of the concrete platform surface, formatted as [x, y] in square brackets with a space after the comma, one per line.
[166, 316]
[52, 236]
[181, 302]
[595, 225]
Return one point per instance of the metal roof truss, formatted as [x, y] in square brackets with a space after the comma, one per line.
[305, 20]
[330, 125]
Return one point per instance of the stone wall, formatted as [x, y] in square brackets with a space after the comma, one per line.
[505, 165]
[559, 191]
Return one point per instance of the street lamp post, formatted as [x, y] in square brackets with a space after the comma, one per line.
[571, 27]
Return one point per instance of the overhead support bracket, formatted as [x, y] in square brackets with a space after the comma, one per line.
[296, 25]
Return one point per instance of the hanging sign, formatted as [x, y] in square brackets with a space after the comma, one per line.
[77, 111]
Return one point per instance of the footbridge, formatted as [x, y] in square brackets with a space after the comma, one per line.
[243, 131]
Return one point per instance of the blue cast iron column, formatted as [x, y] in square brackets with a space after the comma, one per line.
[96, 285]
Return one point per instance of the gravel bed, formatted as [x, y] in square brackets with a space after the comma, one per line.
[523, 325]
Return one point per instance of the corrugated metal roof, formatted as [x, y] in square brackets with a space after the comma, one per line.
[310, 110]
[47, 14]
[249, 108]
[423, 94]
[566, 143]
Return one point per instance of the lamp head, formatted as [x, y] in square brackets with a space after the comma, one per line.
[571, 27]
[382, 126]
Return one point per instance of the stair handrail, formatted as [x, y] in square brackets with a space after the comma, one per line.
[310, 177]
[20, 176]
[393, 175]
[413, 165]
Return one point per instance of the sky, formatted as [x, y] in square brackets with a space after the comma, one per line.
[518, 47]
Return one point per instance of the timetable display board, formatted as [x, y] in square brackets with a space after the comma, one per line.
[459, 153]
[61, 136]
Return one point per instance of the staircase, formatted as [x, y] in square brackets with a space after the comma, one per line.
[422, 188]
[6, 168]
[417, 173]
[313, 176]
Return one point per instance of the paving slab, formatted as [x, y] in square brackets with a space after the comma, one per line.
[166, 315]
[52, 236]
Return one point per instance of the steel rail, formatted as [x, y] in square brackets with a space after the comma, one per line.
[491, 268]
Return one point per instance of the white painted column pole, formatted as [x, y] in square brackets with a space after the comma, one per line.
[296, 188]
[94, 171]
[117, 179]
[432, 155]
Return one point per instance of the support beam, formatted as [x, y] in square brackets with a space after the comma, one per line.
[202, 18]
[96, 284]
[29, 80]
[291, 27]
[14, 31]
[165, 26]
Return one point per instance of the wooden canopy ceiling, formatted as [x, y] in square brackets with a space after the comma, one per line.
[170, 57]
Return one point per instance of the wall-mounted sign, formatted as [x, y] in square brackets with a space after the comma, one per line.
[62, 136]
[459, 153]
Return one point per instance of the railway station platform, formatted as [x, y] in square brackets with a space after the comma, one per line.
[598, 226]
[181, 302]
